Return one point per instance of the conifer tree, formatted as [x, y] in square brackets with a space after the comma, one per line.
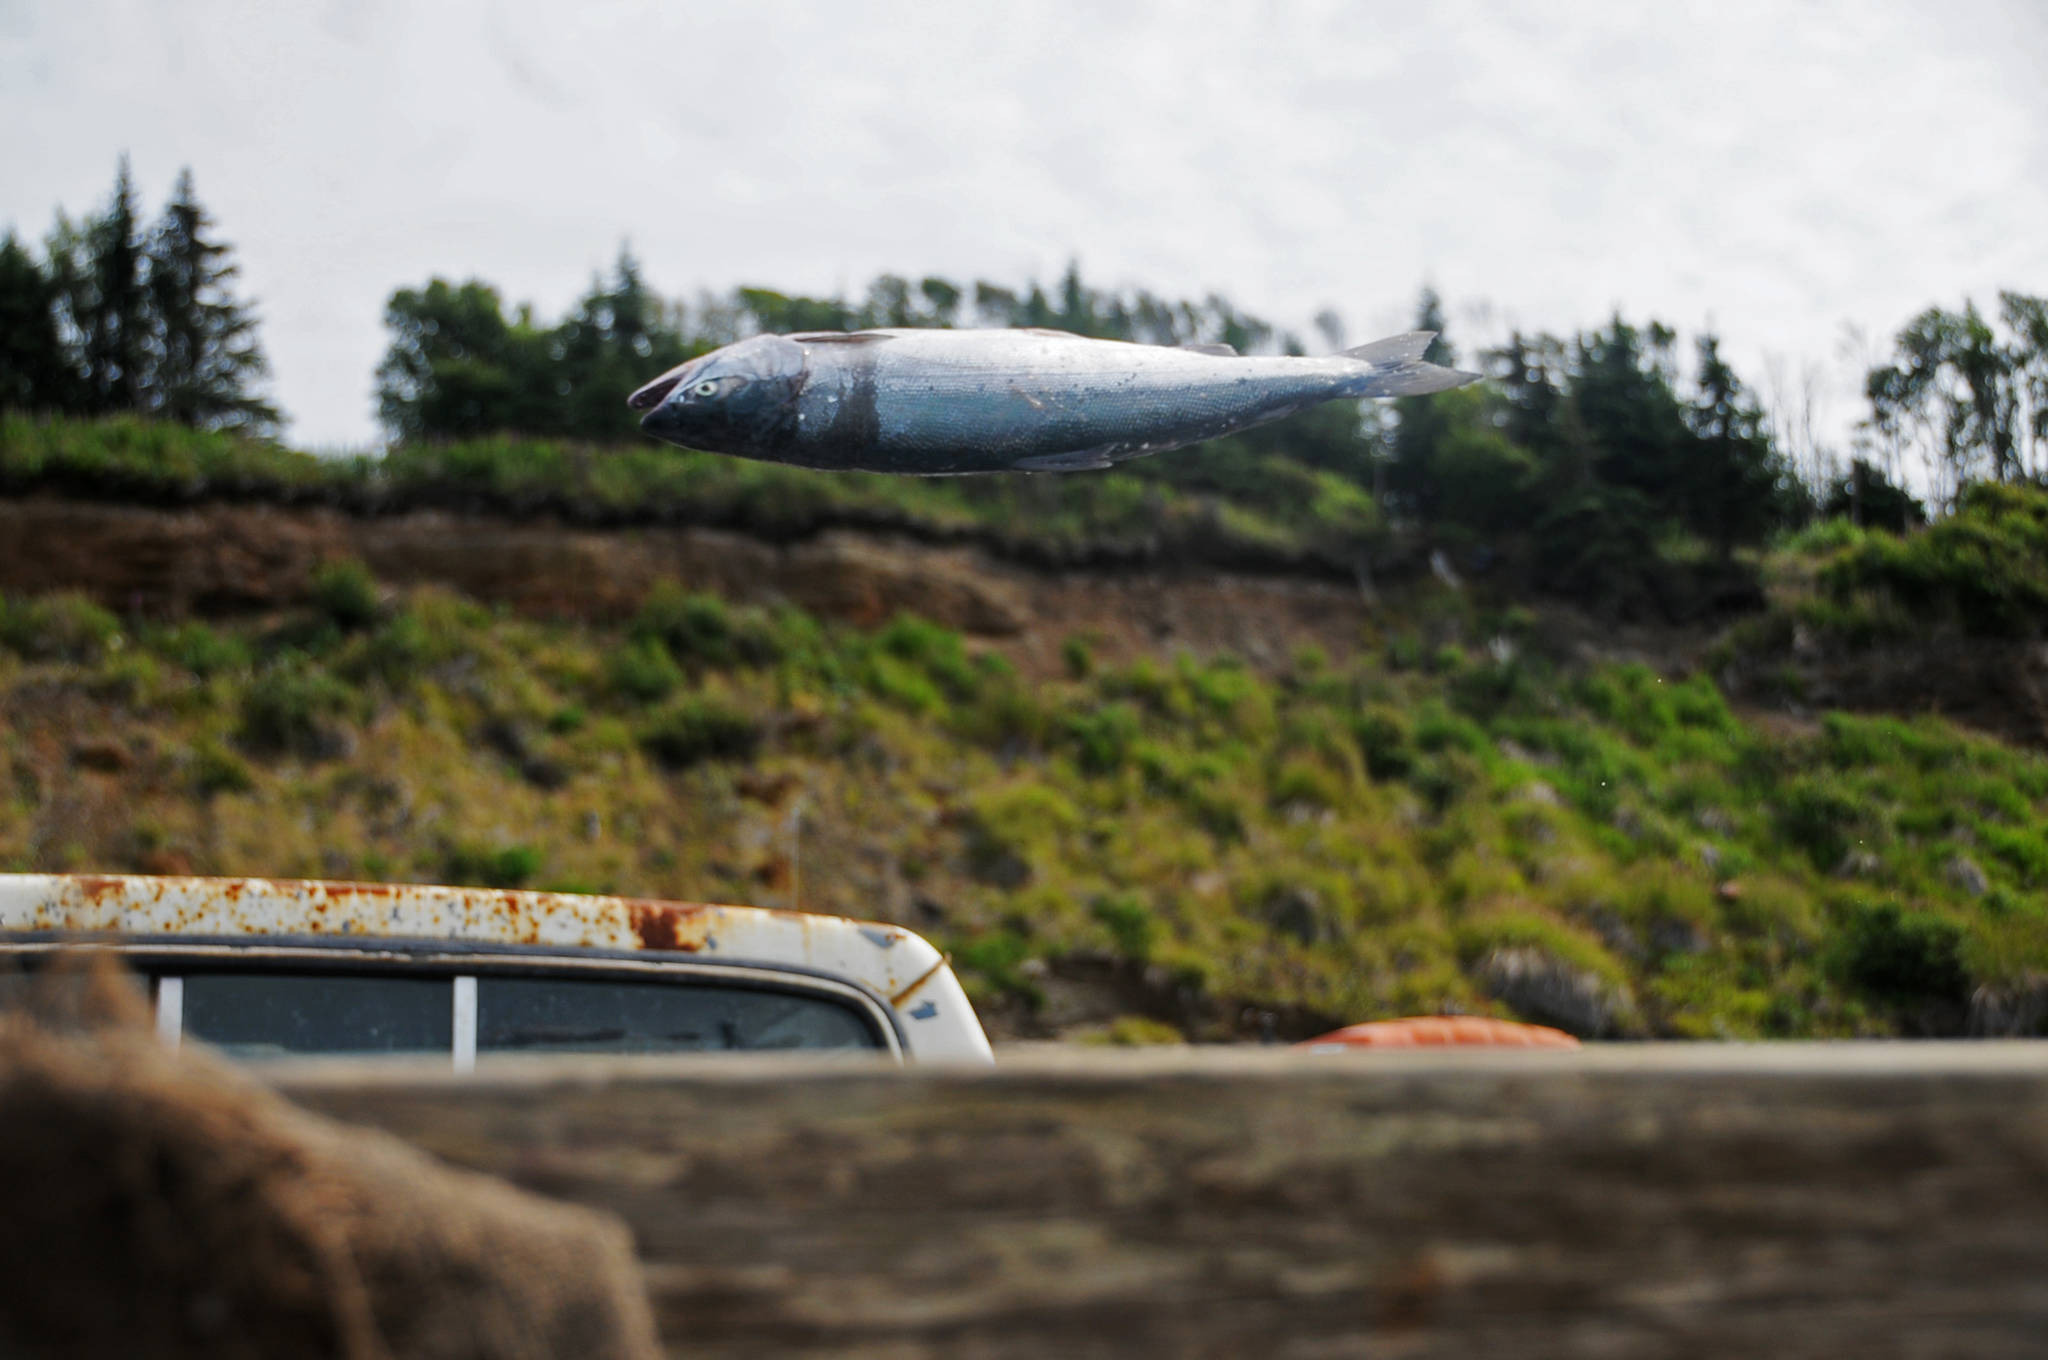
[205, 351]
[112, 310]
[35, 372]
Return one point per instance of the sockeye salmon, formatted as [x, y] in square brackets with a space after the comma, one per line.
[938, 403]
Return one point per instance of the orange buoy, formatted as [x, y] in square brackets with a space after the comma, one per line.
[1432, 1031]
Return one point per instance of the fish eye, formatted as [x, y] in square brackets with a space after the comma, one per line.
[706, 388]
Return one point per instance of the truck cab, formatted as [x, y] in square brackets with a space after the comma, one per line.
[263, 968]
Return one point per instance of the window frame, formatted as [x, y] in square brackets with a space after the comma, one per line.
[461, 962]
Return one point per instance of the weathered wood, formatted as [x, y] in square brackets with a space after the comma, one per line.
[1868, 1200]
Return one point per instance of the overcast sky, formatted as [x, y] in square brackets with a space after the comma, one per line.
[1776, 171]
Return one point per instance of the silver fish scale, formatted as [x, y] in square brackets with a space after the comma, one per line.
[965, 401]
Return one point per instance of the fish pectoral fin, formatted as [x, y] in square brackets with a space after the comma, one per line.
[1219, 350]
[1080, 460]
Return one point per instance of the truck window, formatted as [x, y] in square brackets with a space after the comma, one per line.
[588, 1015]
[255, 1015]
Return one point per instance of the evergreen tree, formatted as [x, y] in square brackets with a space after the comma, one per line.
[1420, 426]
[113, 314]
[35, 371]
[206, 356]
[1730, 484]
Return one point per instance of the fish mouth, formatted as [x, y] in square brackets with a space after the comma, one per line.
[650, 396]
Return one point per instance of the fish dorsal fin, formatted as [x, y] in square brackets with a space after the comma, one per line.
[1221, 351]
[1049, 333]
[839, 337]
[1395, 349]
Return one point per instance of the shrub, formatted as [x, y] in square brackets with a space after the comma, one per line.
[202, 651]
[345, 592]
[701, 629]
[1823, 817]
[642, 671]
[938, 652]
[510, 866]
[1902, 957]
[698, 729]
[215, 769]
[292, 709]
[1385, 742]
[62, 627]
[1103, 739]
[1130, 924]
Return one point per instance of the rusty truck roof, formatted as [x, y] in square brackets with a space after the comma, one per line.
[897, 965]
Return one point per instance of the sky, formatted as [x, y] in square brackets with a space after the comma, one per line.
[1791, 175]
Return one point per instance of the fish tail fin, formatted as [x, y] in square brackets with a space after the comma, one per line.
[1399, 370]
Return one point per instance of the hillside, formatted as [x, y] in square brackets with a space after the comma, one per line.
[1139, 800]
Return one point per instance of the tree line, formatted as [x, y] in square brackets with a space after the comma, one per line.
[1603, 443]
[120, 315]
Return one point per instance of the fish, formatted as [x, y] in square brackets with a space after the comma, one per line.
[941, 403]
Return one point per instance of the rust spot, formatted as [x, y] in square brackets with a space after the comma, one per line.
[666, 925]
[96, 886]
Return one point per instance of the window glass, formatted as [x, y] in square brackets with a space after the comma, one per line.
[254, 1015]
[589, 1015]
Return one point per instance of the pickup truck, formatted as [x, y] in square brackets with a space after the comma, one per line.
[271, 967]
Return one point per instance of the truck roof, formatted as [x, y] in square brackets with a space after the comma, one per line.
[897, 966]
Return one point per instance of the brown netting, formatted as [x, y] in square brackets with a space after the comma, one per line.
[166, 1204]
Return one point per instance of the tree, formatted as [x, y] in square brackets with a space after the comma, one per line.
[1865, 496]
[111, 309]
[1973, 403]
[1732, 479]
[206, 356]
[457, 367]
[1419, 426]
[619, 336]
[35, 371]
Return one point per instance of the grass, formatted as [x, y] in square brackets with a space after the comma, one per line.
[1236, 504]
[1335, 839]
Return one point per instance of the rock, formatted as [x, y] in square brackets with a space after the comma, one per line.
[2018, 1010]
[1859, 864]
[1552, 992]
[1673, 935]
[1299, 912]
[1965, 873]
[1710, 855]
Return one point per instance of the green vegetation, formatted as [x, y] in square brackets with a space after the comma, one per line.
[1609, 848]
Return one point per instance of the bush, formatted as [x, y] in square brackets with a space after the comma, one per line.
[1385, 743]
[215, 769]
[61, 627]
[1130, 924]
[701, 629]
[202, 651]
[643, 671]
[291, 709]
[345, 592]
[1903, 958]
[1103, 739]
[510, 866]
[1986, 564]
[938, 652]
[1823, 817]
[697, 729]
